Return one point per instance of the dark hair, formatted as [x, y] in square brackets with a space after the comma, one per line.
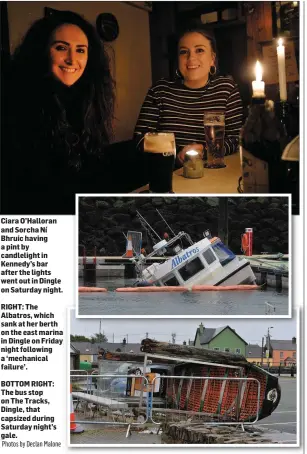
[33, 83]
[197, 26]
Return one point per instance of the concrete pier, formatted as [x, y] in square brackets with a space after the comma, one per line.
[116, 266]
[273, 273]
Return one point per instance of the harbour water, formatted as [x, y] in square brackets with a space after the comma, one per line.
[230, 303]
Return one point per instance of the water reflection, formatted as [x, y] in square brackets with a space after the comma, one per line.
[231, 303]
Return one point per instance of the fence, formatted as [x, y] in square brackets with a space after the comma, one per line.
[136, 242]
[286, 367]
[109, 404]
[138, 399]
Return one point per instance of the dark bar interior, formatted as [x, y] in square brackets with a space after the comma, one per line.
[141, 42]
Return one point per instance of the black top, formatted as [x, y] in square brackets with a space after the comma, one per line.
[42, 171]
[171, 106]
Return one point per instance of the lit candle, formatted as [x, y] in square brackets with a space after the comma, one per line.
[258, 84]
[193, 166]
[282, 71]
[192, 153]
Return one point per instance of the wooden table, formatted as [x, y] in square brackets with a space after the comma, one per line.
[214, 181]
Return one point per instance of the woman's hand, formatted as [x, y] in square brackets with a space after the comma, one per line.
[192, 146]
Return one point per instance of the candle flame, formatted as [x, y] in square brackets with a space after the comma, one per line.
[280, 42]
[192, 153]
[258, 71]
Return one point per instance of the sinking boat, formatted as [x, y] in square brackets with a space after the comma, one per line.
[232, 388]
[182, 262]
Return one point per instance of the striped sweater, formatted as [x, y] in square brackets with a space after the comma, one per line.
[171, 106]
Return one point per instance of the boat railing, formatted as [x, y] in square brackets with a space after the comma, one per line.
[170, 242]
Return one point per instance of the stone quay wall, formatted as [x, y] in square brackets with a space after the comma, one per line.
[103, 220]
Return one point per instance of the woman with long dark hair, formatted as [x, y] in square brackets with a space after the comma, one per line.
[61, 106]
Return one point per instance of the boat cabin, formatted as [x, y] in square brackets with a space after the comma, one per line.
[200, 262]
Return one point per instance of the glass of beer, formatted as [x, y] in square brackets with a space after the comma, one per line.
[161, 152]
[214, 123]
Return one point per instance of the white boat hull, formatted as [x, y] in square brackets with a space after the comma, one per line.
[242, 276]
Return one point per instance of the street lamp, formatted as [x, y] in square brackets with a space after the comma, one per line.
[268, 336]
[267, 353]
[268, 346]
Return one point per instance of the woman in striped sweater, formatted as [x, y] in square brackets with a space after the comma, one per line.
[178, 106]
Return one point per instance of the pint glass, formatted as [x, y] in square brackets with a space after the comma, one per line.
[161, 152]
[214, 124]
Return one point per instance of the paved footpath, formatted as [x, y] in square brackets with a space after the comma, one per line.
[109, 435]
[117, 436]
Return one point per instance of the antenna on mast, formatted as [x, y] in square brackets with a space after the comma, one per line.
[165, 221]
[146, 225]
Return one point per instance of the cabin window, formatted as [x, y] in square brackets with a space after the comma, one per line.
[191, 268]
[281, 354]
[224, 255]
[171, 281]
[216, 349]
[227, 350]
[209, 256]
[238, 351]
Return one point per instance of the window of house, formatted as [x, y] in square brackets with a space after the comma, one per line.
[238, 351]
[172, 281]
[294, 355]
[224, 255]
[281, 355]
[227, 349]
[217, 349]
[191, 268]
[209, 256]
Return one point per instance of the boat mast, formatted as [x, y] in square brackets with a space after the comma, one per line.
[223, 220]
[165, 222]
[147, 227]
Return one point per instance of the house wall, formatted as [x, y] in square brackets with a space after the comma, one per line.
[129, 53]
[197, 341]
[255, 360]
[88, 358]
[286, 353]
[226, 339]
